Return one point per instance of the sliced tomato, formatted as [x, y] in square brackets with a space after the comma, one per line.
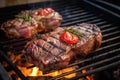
[69, 38]
[49, 10]
[41, 12]
[46, 11]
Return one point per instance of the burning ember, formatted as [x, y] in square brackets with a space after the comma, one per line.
[87, 77]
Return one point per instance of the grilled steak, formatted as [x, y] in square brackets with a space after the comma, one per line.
[49, 52]
[20, 28]
[30, 22]
[45, 22]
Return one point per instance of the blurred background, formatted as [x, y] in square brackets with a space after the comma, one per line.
[6, 3]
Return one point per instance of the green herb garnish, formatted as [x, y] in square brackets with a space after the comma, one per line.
[80, 35]
[40, 8]
[26, 17]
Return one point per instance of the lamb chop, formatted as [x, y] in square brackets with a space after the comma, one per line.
[30, 22]
[57, 49]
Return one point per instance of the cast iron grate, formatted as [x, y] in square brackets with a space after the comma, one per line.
[105, 57]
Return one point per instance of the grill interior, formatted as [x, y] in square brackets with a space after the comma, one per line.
[73, 12]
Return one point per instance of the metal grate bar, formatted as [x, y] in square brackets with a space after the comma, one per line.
[99, 23]
[73, 15]
[3, 73]
[95, 57]
[106, 26]
[96, 21]
[111, 39]
[15, 44]
[80, 21]
[13, 66]
[100, 7]
[110, 34]
[70, 9]
[97, 70]
[109, 29]
[88, 66]
[76, 15]
[16, 48]
[75, 18]
[78, 18]
[98, 63]
[108, 46]
[109, 4]
[65, 7]
[12, 41]
[67, 12]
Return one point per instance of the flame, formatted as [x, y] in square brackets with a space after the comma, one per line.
[63, 71]
[36, 72]
[87, 77]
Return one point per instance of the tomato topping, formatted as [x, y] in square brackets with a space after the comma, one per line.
[46, 11]
[69, 38]
[49, 10]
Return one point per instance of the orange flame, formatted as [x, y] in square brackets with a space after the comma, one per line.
[87, 77]
[36, 72]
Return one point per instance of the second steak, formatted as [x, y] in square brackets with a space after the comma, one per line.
[30, 22]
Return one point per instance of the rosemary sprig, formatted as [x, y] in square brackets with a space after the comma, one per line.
[26, 17]
[40, 8]
[80, 35]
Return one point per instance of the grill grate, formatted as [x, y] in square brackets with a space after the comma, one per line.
[73, 13]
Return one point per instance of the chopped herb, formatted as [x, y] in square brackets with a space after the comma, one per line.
[40, 8]
[80, 35]
[26, 17]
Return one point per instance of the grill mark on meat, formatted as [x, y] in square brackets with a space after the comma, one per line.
[46, 45]
[43, 44]
[52, 43]
[47, 51]
[53, 36]
[47, 48]
[63, 45]
[57, 50]
[89, 31]
[54, 50]
[39, 50]
[51, 52]
[84, 30]
[57, 36]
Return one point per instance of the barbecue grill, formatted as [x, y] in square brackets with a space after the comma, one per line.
[102, 13]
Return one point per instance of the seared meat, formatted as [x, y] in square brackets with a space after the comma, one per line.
[20, 28]
[29, 22]
[49, 52]
[45, 22]
[90, 41]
